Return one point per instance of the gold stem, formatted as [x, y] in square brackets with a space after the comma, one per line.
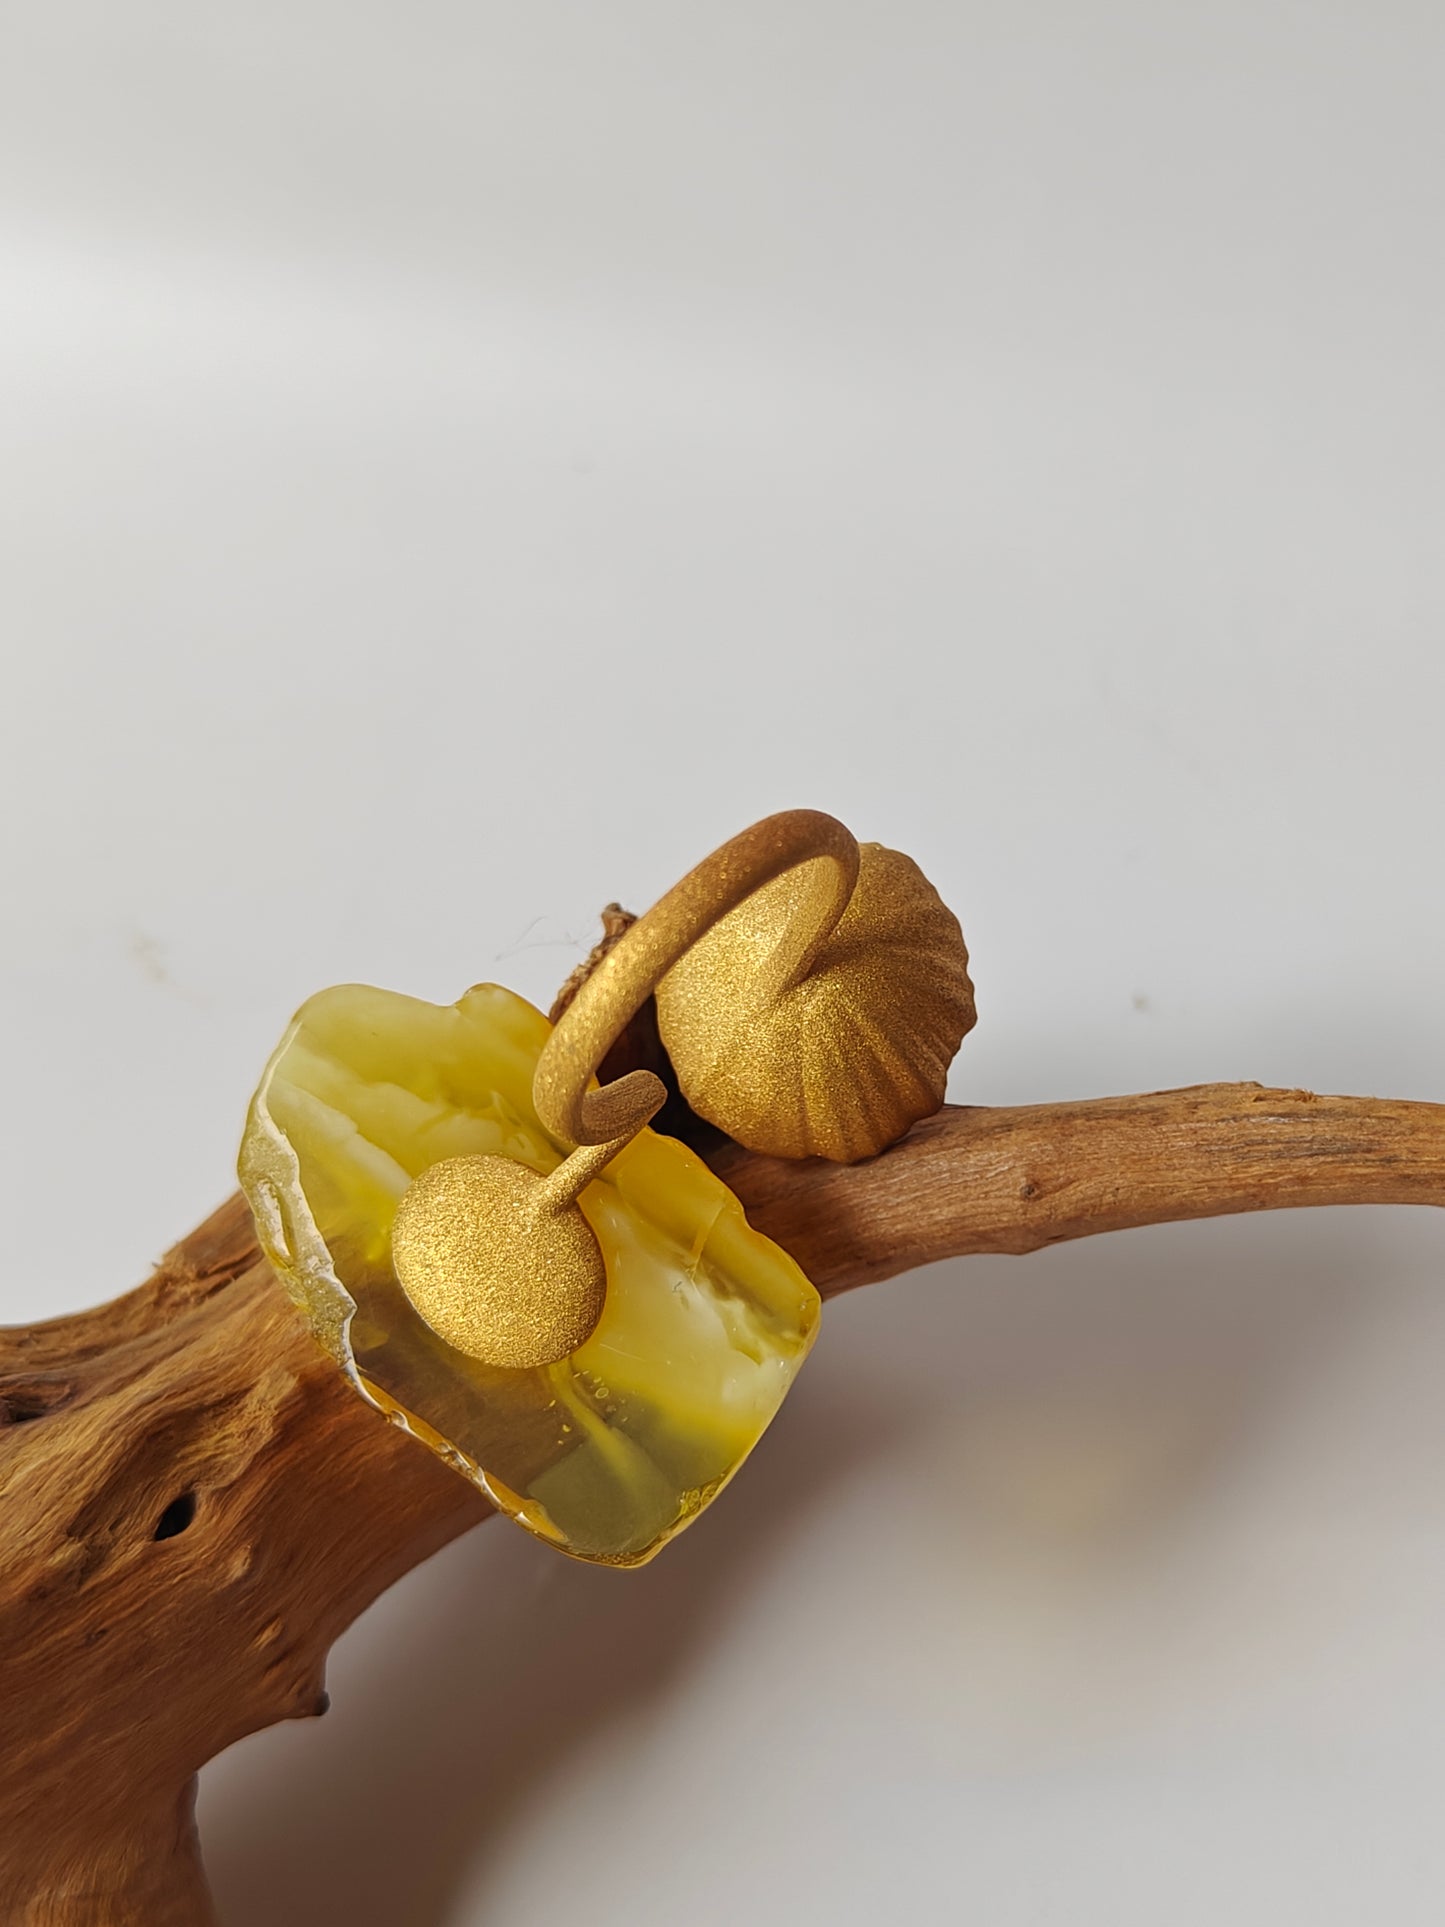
[560, 1189]
[631, 971]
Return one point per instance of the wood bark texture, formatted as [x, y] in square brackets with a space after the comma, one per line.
[193, 1504]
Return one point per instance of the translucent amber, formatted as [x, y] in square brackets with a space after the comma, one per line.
[610, 1452]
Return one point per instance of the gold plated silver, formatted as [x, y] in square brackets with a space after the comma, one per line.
[569, 1308]
[811, 995]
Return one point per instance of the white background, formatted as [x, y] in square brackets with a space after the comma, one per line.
[460, 462]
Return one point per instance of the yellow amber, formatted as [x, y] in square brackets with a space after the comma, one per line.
[615, 1448]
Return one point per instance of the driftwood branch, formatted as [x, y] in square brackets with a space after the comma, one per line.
[195, 1505]
[1013, 1179]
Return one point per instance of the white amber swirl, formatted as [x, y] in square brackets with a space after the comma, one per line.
[612, 1450]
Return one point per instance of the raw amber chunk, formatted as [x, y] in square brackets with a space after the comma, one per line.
[610, 1452]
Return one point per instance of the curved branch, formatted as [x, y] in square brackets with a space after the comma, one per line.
[196, 1505]
[1013, 1179]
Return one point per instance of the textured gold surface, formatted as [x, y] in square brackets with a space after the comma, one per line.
[628, 974]
[610, 1451]
[811, 996]
[844, 1060]
[492, 1267]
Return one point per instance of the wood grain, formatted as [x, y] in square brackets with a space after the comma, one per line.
[198, 1408]
[1012, 1180]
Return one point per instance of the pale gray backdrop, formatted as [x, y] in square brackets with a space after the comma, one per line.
[460, 462]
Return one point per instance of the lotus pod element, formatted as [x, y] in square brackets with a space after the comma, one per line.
[850, 1055]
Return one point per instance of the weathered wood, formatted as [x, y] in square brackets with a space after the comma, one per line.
[195, 1505]
[127, 1660]
[1013, 1179]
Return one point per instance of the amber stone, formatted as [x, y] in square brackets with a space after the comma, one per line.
[613, 1449]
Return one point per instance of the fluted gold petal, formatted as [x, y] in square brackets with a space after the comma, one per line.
[611, 1451]
[849, 1057]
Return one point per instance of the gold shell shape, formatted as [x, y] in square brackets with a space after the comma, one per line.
[850, 1054]
[811, 995]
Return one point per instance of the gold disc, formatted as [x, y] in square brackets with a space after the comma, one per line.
[493, 1267]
